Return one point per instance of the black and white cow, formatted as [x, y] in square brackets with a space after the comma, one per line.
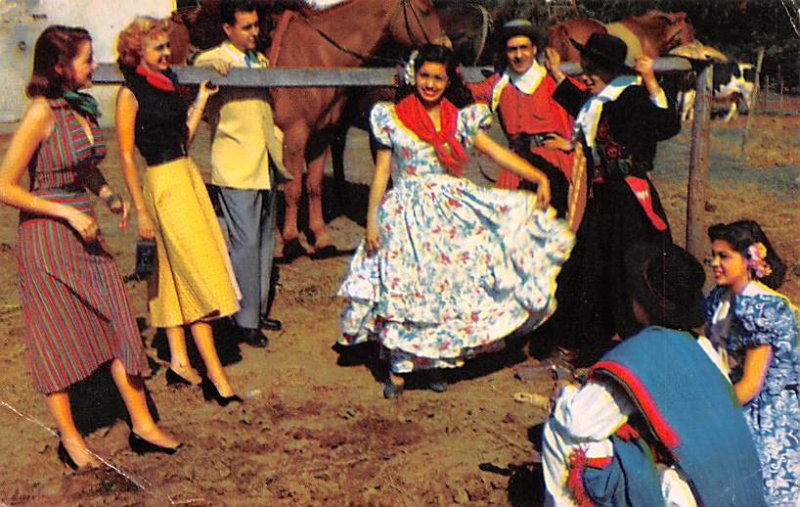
[732, 89]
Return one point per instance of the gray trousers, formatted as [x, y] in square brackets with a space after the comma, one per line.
[248, 217]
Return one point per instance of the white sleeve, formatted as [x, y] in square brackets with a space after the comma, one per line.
[594, 412]
[718, 357]
[660, 99]
[675, 488]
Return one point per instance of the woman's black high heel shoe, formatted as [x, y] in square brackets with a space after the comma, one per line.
[64, 456]
[175, 380]
[141, 446]
[210, 392]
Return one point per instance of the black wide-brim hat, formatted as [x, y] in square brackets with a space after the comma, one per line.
[606, 50]
[667, 281]
[524, 28]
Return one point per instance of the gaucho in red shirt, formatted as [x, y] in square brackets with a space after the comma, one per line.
[523, 96]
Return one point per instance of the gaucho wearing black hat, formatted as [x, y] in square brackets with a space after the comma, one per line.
[619, 120]
[606, 51]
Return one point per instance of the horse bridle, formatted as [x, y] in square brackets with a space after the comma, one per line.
[405, 5]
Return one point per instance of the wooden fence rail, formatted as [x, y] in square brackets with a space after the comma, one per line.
[108, 73]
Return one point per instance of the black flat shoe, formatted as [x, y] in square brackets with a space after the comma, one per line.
[64, 456]
[253, 337]
[437, 382]
[392, 390]
[270, 324]
[176, 380]
[141, 446]
[210, 392]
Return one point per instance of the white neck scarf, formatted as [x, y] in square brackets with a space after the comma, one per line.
[589, 115]
[527, 82]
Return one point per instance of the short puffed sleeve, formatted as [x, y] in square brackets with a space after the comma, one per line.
[765, 320]
[471, 120]
[380, 120]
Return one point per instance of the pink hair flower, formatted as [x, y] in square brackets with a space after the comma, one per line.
[756, 255]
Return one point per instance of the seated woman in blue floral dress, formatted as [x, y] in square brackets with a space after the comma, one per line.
[447, 268]
[759, 328]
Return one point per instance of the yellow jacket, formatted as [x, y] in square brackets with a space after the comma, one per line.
[242, 129]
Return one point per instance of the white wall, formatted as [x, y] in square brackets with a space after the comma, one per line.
[24, 20]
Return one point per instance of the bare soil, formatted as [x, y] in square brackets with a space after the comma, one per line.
[314, 429]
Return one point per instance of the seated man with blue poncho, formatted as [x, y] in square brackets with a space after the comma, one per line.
[657, 423]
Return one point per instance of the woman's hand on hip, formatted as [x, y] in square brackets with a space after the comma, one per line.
[144, 225]
[84, 224]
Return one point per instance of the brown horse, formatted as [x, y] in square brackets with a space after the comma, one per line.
[652, 34]
[339, 36]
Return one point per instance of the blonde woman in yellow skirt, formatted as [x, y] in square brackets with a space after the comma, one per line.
[194, 283]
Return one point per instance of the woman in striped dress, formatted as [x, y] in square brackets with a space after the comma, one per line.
[195, 281]
[76, 313]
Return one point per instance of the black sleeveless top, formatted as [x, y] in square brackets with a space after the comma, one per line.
[161, 130]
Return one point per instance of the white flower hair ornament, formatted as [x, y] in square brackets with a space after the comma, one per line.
[756, 255]
[409, 72]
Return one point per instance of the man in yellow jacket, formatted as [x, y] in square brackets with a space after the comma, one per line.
[246, 163]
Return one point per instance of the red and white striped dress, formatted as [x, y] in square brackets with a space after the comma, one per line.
[76, 312]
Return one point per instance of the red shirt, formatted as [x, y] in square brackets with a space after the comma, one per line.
[521, 113]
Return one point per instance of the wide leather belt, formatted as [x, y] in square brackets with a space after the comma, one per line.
[526, 141]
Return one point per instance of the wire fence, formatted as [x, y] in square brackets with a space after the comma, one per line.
[774, 98]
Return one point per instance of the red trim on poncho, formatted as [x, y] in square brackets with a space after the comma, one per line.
[661, 428]
[641, 189]
[414, 116]
[627, 433]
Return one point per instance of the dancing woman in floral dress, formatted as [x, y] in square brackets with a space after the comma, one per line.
[447, 268]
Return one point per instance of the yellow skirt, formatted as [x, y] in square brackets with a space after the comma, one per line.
[194, 278]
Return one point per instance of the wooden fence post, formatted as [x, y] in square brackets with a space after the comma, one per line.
[698, 164]
[752, 104]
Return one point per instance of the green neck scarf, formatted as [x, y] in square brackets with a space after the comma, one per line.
[83, 103]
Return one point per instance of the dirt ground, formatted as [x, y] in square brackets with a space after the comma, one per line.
[314, 429]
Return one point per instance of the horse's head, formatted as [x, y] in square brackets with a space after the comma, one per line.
[671, 29]
[415, 23]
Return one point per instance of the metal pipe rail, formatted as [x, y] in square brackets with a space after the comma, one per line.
[108, 73]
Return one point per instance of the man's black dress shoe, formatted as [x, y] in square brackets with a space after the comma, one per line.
[252, 337]
[270, 324]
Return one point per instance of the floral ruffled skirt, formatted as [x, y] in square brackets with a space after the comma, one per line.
[460, 268]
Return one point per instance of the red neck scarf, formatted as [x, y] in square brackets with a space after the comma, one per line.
[156, 79]
[412, 113]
